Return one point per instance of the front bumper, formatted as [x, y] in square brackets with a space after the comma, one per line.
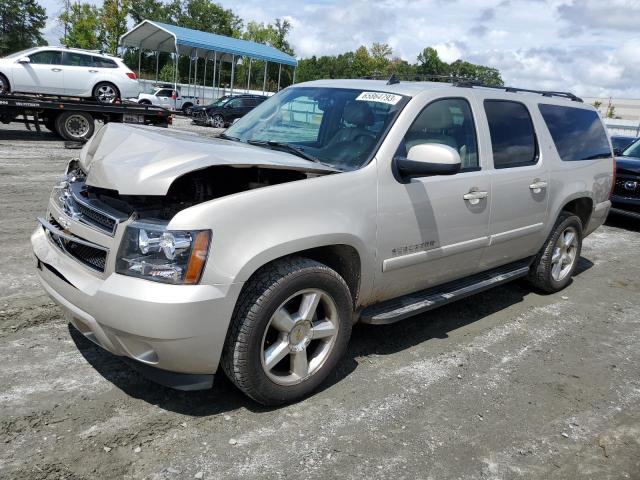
[175, 328]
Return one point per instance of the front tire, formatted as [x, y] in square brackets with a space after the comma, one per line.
[290, 328]
[5, 88]
[556, 263]
[105, 92]
[217, 121]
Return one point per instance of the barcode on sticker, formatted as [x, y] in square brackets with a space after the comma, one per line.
[389, 98]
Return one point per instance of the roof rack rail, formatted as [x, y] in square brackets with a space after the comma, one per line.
[468, 83]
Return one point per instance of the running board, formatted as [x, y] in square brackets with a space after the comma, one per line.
[396, 309]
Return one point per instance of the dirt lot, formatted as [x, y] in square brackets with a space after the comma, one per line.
[506, 384]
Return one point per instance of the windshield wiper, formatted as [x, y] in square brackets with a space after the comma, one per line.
[299, 151]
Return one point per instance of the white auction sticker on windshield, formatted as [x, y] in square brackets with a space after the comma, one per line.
[389, 98]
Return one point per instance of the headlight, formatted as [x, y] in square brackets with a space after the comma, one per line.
[152, 252]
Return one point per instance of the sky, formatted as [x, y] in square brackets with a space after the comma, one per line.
[588, 47]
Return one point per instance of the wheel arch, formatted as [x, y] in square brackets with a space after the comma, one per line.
[582, 207]
[344, 258]
[6, 77]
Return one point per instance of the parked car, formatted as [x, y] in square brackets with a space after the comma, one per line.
[225, 112]
[619, 143]
[67, 72]
[626, 193]
[163, 96]
[198, 111]
[332, 202]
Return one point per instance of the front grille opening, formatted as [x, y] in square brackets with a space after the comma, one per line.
[622, 191]
[91, 257]
[97, 218]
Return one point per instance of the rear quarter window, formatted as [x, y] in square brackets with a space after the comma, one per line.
[578, 133]
[513, 138]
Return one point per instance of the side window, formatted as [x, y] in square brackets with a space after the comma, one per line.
[164, 93]
[513, 139]
[46, 57]
[577, 132]
[446, 122]
[100, 62]
[235, 103]
[77, 60]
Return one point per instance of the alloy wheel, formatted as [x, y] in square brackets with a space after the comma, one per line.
[564, 254]
[217, 121]
[299, 337]
[106, 94]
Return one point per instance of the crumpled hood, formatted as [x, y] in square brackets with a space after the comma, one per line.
[145, 160]
[628, 165]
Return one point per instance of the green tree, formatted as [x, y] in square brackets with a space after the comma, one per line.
[361, 65]
[206, 16]
[21, 24]
[429, 63]
[380, 57]
[84, 27]
[114, 22]
[157, 10]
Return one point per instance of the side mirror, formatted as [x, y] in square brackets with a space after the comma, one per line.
[428, 159]
[24, 60]
[617, 152]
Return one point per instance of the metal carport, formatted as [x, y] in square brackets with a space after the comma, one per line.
[163, 37]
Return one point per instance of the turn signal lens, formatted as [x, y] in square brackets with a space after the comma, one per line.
[131, 75]
[198, 258]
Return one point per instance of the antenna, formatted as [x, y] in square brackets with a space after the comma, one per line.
[393, 79]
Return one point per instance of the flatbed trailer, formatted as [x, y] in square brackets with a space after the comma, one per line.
[74, 118]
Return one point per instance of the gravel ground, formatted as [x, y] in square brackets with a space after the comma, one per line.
[506, 384]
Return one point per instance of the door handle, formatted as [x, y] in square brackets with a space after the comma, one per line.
[475, 196]
[538, 186]
[56, 69]
[93, 71]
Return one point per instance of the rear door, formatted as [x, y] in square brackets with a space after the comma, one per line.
[43, 74]
[80, 76]
[519, 186]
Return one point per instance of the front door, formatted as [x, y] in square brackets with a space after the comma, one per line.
[433, 229]
[520, 184]
[43, 74]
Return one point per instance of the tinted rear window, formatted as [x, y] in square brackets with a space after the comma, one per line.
[103, 62]
[577, 133]
[513, 139]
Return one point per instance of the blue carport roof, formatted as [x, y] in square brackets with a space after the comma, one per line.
[164, 37]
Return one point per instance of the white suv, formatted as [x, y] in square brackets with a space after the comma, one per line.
[68, 72]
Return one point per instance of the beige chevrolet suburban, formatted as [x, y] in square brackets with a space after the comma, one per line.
[332, 202]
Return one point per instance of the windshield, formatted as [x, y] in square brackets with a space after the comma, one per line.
[219, 102]
[337, 126]
[22, 53]
[632, 150]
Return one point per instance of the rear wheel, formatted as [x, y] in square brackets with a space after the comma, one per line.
[290, 328]
[4, 85]
[186, 107]
[75, 126]
[105, 92]
[556, 263]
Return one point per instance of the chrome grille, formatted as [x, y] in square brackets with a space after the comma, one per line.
[92, 257]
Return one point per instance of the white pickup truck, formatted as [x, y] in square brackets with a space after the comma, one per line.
[162, 96]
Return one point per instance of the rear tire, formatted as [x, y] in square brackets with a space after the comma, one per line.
[5, 88]
[75, 126]
[290, 328]
[556, 263]
[105, 92]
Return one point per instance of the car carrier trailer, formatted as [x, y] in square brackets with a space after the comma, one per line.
[74, 119]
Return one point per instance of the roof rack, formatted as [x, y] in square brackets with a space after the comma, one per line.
[468, 83]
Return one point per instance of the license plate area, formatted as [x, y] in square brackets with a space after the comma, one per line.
[132, 118]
